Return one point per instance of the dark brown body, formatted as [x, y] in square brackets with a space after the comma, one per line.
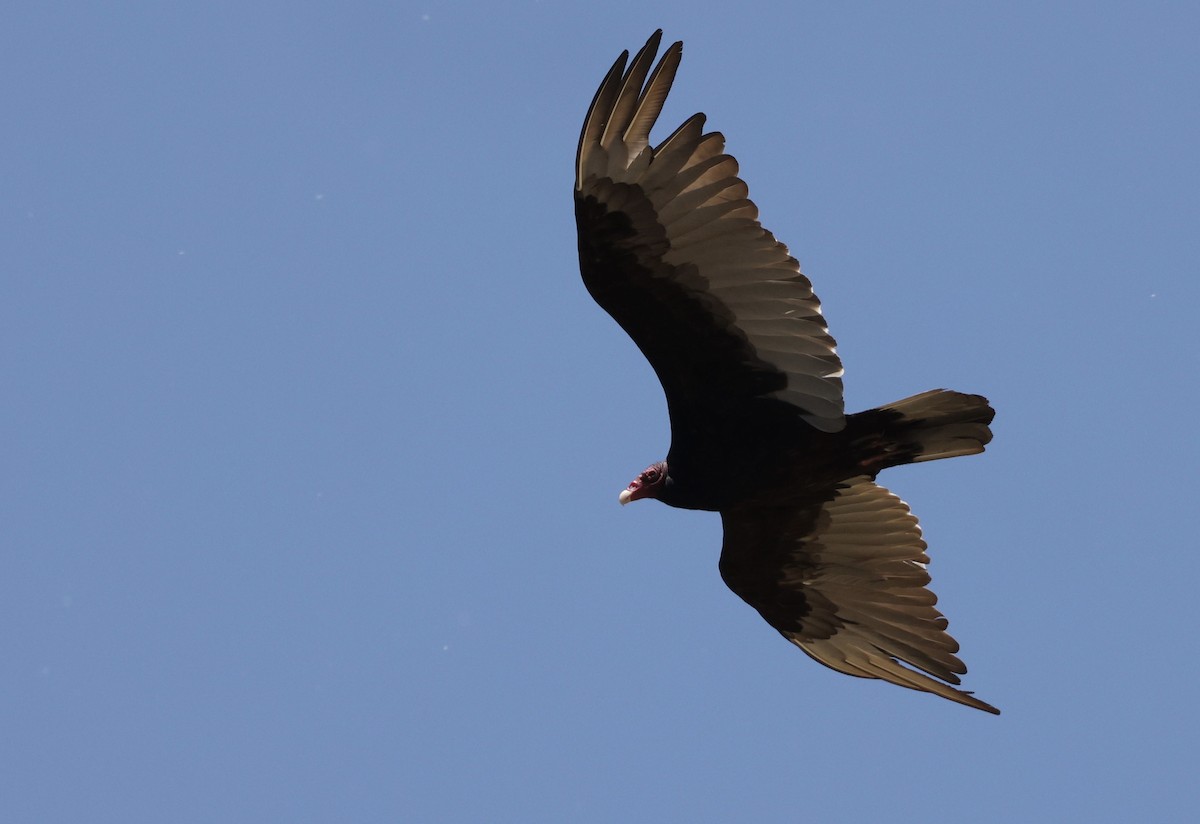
[670, 245]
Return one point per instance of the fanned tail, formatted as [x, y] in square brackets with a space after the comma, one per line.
[939, 424]
[926, 427]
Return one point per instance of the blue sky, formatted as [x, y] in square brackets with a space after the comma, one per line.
[312, 437]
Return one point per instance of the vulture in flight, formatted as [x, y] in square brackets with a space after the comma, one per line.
[671, 247]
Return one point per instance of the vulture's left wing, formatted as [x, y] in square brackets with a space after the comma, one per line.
[671, 247]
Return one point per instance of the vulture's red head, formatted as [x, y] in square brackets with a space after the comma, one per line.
[648, 484]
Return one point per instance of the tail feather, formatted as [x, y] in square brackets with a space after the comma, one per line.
[939, 424]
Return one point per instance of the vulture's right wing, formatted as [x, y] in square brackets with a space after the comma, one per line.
[844, 579]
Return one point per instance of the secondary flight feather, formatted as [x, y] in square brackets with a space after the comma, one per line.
[671, 247]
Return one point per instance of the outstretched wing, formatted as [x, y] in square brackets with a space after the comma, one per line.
[671, 247]
[844, 579]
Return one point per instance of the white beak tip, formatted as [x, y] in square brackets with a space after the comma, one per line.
[625, 497]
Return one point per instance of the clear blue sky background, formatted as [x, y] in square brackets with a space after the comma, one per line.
[312, 437]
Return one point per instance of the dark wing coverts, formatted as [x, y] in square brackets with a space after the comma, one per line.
[671, 247]
[844, 579]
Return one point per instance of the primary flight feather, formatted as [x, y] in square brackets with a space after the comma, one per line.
[671, 247]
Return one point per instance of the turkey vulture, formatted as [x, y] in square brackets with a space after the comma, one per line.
[671, 247]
